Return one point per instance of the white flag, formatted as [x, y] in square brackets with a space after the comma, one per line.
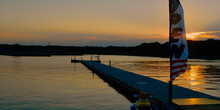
[177, 39]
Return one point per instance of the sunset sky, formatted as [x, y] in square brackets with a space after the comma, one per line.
[102, 22]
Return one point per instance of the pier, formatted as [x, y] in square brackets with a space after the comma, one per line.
[74, 60]
[128, 84]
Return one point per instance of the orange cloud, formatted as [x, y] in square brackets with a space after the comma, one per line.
[203, 35]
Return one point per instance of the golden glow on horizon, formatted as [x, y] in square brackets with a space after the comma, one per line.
[203, 35]
[21, 36]
[192, 36]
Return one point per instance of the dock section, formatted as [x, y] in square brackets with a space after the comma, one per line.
[156, 88]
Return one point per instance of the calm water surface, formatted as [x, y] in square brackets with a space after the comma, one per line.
[55, 83]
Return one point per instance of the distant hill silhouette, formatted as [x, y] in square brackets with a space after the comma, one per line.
[208, 49]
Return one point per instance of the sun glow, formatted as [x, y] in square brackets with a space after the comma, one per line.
[203, 35]
[192, 36]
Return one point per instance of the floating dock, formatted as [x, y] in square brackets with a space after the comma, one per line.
[131, 83]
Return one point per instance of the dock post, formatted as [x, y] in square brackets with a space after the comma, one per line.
[98, 58]
[91, 57]
[110, 63]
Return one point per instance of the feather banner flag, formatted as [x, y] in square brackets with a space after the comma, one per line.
[177, 40]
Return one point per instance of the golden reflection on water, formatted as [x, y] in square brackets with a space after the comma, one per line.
[195, 101]
[194, 75]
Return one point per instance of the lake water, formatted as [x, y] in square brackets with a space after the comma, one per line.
[55, 83]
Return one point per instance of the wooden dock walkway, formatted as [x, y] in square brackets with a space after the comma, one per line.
[158, 89]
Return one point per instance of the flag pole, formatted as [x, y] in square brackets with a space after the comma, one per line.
[170, 24]
[177, 43]
[170, 91]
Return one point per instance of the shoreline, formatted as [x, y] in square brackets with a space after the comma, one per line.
[197, 50]
[49, 54]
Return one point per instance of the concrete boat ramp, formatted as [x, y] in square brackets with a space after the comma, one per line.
[131, 83]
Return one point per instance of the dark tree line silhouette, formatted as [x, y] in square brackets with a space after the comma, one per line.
[208, 49]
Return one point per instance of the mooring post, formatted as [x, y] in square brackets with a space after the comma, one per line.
[91, 57]
[110, 63]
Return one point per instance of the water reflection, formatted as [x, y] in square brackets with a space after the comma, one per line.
[54, 83]
[193, 78]
[195, 101]
[194, 75]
